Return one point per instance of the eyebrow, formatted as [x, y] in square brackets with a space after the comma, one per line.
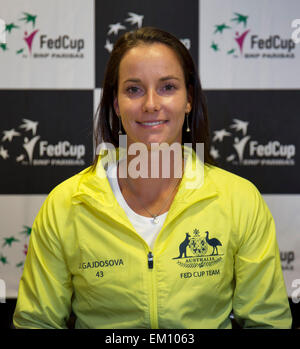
[169, 77]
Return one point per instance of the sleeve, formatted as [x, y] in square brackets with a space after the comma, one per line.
[260, 298]
[45, 289]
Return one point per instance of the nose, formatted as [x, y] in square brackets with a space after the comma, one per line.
[151, 102]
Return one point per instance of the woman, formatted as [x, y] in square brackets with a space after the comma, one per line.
[124, 248]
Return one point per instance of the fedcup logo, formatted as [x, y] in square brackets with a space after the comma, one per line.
[242, 150]
[232, 37]
[30, 41]
[156, 162]
[2, 31]
[296, 33]
[27, 147]
[2, 291]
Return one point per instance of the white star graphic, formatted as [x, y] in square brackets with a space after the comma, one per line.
[9, 134]
[240, 125]
[230, 158]
[109, 46]
[219, 135]
[3, 153]
[135, 19]
[20, 158]
[214, 152]
[29, 125]
[114, 28]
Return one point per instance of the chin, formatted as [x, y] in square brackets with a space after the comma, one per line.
[155, 139]
[148, 143]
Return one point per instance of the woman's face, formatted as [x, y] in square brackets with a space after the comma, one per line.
[152, 97]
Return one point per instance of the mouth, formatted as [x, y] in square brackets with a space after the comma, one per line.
[152, 123]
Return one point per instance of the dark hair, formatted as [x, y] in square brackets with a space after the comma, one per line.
[107, 122]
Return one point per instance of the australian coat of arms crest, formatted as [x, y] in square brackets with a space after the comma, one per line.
[199, 250]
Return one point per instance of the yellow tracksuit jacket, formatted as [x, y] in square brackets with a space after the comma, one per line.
[216, 252]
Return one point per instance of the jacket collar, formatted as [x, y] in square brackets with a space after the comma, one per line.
[95, 191]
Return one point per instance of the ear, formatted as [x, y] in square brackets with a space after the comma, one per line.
[188, 107]
[189, 100]
[116, 106]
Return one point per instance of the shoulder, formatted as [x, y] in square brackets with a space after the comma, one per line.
[229, 183]
[241, 198]
[59, 200]
[69, 186]
[56, 213]
[239, 195]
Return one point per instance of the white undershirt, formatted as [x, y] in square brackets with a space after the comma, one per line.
[144, 226]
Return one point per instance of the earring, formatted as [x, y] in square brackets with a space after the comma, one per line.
[187, 123]
[120, 126]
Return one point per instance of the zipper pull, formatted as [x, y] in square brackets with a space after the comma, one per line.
[150, 260]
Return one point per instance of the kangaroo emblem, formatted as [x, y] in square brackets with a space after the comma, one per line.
[184, 245]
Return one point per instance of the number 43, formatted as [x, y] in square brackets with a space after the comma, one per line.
[100, 274]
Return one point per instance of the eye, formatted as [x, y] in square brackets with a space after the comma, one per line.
[132, 90]
[169, 87]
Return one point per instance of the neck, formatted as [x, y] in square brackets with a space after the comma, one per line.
[152, 174]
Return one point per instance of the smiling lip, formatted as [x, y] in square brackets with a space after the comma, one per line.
[154, 123]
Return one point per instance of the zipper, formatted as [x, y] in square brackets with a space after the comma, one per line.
[153, 295]
[150, 260]
[152, 281]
